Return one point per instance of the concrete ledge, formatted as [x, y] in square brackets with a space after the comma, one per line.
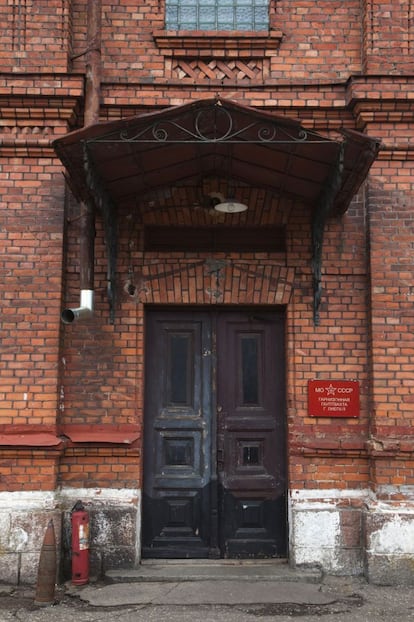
[209, 570]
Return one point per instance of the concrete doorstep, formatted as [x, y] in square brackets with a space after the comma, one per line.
[208, 582]
[214, 570]
[205, 593]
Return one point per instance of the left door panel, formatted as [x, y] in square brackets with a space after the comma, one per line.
[176, 502]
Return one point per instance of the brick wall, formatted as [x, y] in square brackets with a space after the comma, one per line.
[319, 41]
[388, 26]
[31, 233]
[330, 64]
[37, 35]
[102, 377]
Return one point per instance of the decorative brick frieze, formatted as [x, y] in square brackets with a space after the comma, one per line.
[239, 70]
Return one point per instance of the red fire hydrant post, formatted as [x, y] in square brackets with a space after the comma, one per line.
[80, 544]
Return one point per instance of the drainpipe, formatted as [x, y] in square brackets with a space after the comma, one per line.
[93, 63]
[86, 271]
[91, 116]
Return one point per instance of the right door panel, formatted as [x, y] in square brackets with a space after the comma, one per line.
[251, 461]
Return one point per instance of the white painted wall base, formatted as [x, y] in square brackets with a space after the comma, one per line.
[325, 530]
[351, 533]
[342, 532]
[24, 516]
[389, 545]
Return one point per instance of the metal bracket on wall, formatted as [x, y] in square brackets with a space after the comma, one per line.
[319, 218]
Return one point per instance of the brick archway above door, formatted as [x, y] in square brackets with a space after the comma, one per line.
[221, 281]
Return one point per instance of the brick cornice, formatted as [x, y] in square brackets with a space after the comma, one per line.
[397, 152]
[189, 43]
[35, 110]
[10, 148]
[40, 99]
[35, 84]
[380, 99]
[380, 87]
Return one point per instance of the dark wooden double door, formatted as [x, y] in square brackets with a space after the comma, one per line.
[214, 453]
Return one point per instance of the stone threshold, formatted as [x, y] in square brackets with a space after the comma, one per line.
[214, 570]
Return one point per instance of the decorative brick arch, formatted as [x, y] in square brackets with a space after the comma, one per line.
[217, 281]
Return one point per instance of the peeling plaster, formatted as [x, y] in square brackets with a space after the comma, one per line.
[4, 532]
[317, 518]
[394, 538]
[138, 532]
[23, 516]
[317, 529]
[27, 500]
[317, 538]
[100, 496]
[19, 539]
[327, 494]
[103, 528]
[406, 491]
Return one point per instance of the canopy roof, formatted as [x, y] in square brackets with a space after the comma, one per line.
[118, 164]
[181, 145]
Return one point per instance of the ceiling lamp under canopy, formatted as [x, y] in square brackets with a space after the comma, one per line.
[230, 206]
[224, 205]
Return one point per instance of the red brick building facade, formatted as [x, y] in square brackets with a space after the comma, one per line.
[200, 334]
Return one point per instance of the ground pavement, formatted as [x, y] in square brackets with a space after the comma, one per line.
[232, 592]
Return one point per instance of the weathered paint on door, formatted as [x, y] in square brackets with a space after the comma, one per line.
[215, 464]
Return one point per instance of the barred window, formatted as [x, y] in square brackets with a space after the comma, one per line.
[217, 15]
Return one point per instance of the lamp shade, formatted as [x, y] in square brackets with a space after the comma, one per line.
[230, 206]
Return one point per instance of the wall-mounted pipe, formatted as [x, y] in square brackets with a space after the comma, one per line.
[93, 63]
[87, 261]
[91, 115]
[82, 312]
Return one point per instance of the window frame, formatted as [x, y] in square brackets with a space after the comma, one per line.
[219, 23]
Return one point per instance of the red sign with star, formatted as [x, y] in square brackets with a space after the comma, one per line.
[333, 398]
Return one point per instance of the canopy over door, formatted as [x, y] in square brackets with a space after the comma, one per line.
[115, 165]
[182, 144]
